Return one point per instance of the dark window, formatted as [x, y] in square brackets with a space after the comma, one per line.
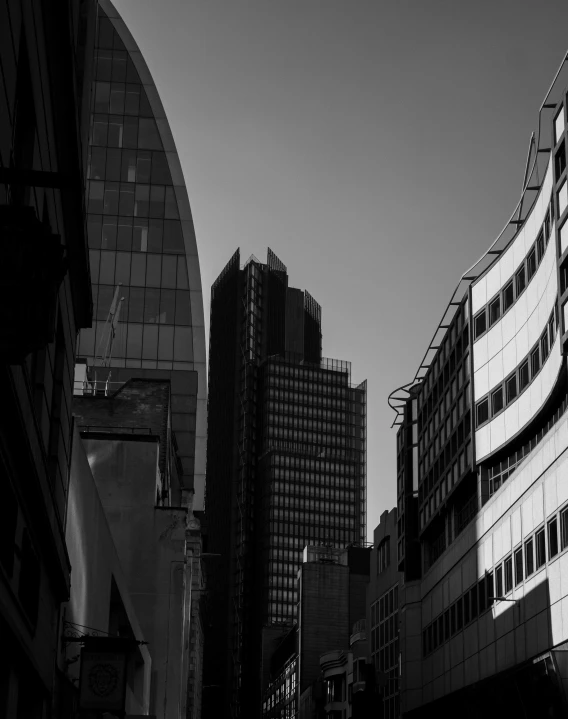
[560, 161]
[552, 538]
[441, 629]
[489, 587]
[540, 247]
[508, 296]
[482, 595]
[447, 623]
[523, 375]
[531, 264]
[520, 280]
[480, 323]
[511, 386]
[544, 346]
[518, 566]
[508, 574]
[497, 401]
[459, 614]
[473, 601]
[482, 412]
[466, 615]
[535, 362]
[499, 581]
[529, 557]
[540, 549]
[453, 619]
[494, 311]
[564, 529]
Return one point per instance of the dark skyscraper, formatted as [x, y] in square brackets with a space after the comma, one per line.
[286, 460]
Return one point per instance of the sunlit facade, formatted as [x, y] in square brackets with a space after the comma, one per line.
[141, 238]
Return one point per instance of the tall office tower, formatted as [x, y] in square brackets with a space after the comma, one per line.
[148, 306]
[286, 460]
[481, 448]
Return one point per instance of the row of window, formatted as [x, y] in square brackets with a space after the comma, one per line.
[312, 505]
[116, 165]
[132, 200]
[302, 410]
[280, 445]
[147, 305]
[427, 429]
[115, 66]
[298, 493]
[509, 294]
[315, 400]
[314, 438]
[447, 431]
[508, 391]
[137, 341]
[307, 423]
[336, 388]
[304, 517]
[125, 131]
[304, 373]
[319, 465]
[511, 572]
[138, 270]
[383, 555]
[136, 234]
[119, 98]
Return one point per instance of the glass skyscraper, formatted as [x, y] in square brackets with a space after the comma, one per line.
[286, 462]
[142, 240]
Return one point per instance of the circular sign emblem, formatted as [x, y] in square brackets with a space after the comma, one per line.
[103, 679]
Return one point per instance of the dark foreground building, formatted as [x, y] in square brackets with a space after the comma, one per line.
[286, 460]
[482, 487]
[45, 298]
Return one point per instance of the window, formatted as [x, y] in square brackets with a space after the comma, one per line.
[453, 619]
[459, 614]
[564, 529]
[482, 412]
[540, 549]
[494, 311]
[508, 297]
[544, 346]
[497, 401]
[499, 581]
[480, 324]
[535, 361]
[529, 557]
[508, 574]
[447, 623]
[511, 388]
[489, 588]
[466, 615]
[523, 375]
[540, 247]
[518, 566]
[521, 281]
[531, 264]
[482, 596]
[552, 538]
[473, 601]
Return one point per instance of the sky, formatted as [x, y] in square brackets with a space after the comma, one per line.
[378, 148]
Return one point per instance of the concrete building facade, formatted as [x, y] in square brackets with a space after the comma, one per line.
[482, 493]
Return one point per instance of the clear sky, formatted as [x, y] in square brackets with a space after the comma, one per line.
[378, 147]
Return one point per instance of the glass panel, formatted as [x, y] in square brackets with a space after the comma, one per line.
[87, 342]
[138, 270]
[143, 164]
[152, 305]
[128, 170]
[109, 233]
[134, 341]
[150, 343]
[132, 101]
[115, 131]
[123, 317]
[110, 206]
[155, 232]
[136, 305]
[117, 98]
[182, 344]
[153, 270]
[96, 194]
[106, 276]
[171, 204]
[149, 137]
[140, 235]
[118, 64]
[169, 271]
[173, 237]
[99, 130]
[102, 95]
[142, 200]
[167, 307]
[94, 230]
[104, 300]
[183, 308]
[122, 273]
[130, 138]
[97, 163]
[157, 201]
[126, 206]
[113, 159]
[166, 344]
[562, 198]
[124, 236]
[103, 60]
[131, 73]
[182, 282]
[160, 169]
[94, 260]
[559, 125]
[145, 109]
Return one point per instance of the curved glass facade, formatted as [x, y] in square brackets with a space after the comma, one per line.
[141, 235]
